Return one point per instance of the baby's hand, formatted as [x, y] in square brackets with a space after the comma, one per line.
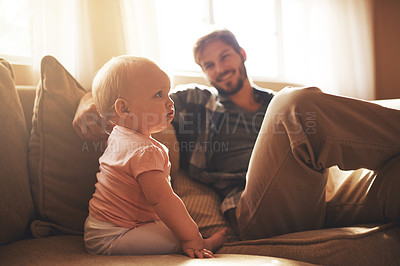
[203, 253]
[196, 249]
[203, 248]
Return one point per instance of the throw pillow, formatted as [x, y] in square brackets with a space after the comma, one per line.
[62, 166]
[15, 196]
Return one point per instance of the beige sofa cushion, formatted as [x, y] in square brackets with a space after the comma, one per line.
[62, 166]
[356, 245]
[15, 198]
[69, 250]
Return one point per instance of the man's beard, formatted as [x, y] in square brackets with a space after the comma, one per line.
[233, 89]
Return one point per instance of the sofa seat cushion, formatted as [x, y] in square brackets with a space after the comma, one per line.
[69, 250]
[356, 245]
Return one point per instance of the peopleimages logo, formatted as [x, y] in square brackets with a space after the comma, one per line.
[228, 123]
[189, 146]
[190, 123]
[295, 123]
[94, 146]
[215, 146]
[131, 121]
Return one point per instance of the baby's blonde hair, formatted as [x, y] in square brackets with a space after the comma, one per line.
[114, 76]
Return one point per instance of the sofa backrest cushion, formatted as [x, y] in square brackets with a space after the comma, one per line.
[16, 206]
[62, 166]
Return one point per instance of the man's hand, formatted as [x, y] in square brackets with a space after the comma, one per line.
[87, 122]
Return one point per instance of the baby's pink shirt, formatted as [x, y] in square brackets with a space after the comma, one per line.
[118, 198]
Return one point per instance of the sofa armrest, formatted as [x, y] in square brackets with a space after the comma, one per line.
[390, 103]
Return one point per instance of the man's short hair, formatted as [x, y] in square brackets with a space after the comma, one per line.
[223, 35]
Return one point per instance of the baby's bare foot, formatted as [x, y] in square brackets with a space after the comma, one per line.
[214, 242]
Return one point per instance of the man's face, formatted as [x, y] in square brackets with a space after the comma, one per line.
[224, 67]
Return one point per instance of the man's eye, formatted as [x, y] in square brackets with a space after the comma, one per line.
[208, 66]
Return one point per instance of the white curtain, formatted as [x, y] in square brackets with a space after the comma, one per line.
[54, 32]
[329, 43]
[81, 34]
[139, 21]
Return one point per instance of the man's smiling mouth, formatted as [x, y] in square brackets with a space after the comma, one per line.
[225, 76]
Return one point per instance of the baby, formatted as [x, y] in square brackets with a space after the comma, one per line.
[134, 209]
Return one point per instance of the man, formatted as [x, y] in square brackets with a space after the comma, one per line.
[300, 134]
[229, 119]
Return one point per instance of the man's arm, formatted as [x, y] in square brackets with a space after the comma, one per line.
[87, 121]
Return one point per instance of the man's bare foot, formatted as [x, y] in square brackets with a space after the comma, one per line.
[216, 241]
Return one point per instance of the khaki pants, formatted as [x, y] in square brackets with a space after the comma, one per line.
[293, 183]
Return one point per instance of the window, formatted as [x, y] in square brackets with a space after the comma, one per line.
[16, 30]
[256, 24]
[320, 43]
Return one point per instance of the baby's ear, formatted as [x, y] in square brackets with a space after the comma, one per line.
[121, 107]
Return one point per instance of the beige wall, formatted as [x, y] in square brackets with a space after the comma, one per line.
[387, 48]
[105, 38]
[24, 75]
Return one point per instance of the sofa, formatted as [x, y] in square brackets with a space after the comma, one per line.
[48, 175]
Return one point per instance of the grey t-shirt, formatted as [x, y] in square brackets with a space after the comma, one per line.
[235, 137]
